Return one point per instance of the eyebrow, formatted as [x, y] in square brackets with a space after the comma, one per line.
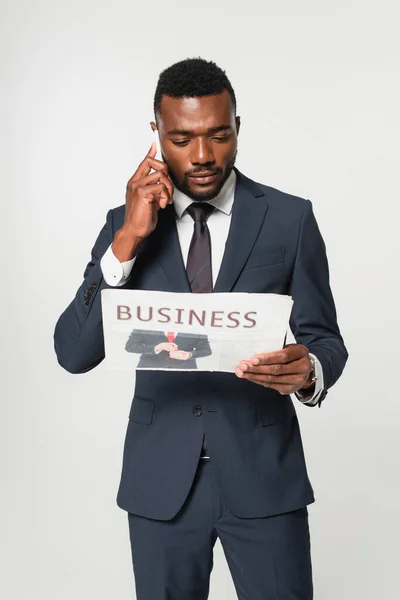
[210, 130]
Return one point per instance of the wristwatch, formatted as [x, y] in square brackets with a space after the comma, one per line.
[312, 375]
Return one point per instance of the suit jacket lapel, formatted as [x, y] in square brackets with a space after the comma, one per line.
[248, 213]
[168, 250]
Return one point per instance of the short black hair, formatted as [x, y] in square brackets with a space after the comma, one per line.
[192, 78]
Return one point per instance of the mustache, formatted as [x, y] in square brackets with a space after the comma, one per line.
[202, 170]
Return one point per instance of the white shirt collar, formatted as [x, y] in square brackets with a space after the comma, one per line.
[224, 200]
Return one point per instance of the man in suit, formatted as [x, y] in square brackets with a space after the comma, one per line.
[167, 350]
[212, 455]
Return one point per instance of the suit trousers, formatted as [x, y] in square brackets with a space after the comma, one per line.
[269, 558]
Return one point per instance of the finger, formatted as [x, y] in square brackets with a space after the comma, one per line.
[156, 195]
[300, 366]
[296, 380]
[156, 177]
[159, 177]
[147, 164]
[144, 168]
[168, 184]
[288, 354]
[143, 171]
[254, 378]
[151, 178]
[157, 165]
[282, 388]
[154, 163]
[153, 151]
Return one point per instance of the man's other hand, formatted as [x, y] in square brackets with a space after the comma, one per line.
[286, 371]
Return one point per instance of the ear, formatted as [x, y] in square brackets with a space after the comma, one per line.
[153, 126]
[237, 125]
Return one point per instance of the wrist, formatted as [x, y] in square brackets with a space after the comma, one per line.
[312, 378]
[125, 244]
[310, 382]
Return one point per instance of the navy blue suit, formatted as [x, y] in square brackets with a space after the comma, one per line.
[274, 246]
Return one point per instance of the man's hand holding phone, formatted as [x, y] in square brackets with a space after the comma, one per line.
[146, 193]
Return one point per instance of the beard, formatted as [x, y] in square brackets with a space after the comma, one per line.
[184, 185]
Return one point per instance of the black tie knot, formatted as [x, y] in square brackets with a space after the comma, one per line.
[200, 211]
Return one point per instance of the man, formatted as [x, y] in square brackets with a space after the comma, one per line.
[167, 350]
[197, 224]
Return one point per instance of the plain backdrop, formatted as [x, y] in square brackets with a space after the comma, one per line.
[318, 92]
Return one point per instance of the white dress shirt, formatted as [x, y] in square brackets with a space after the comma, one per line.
[116, 274]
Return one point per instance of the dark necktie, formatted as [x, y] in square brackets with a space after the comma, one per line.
[199, 268]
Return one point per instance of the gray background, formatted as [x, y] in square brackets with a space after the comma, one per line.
[317, 85]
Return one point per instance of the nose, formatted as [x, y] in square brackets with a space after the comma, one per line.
[201, 152]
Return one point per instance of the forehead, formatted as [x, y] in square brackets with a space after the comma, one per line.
[196, 114]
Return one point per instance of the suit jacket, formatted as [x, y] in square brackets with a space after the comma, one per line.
[144, 342]
[274, 245]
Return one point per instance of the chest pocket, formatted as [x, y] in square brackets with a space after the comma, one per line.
[141, 410]
[271, 257]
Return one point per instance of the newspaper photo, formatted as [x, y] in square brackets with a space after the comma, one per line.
[183, 331]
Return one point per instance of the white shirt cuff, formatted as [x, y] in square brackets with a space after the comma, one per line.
[114, 272]
[312, 400]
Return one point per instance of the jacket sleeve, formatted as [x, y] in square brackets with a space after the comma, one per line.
[202, 347]
[313, 320]
[78, 335]
[137, 343]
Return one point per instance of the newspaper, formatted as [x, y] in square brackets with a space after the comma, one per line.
[183, 331]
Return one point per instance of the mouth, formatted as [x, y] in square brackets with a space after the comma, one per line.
[204, 178]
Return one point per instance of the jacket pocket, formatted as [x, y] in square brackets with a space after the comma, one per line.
[141, 410]
[273, 410]
[265, 259]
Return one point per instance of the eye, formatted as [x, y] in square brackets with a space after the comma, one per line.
[184, 143]
[222, 138]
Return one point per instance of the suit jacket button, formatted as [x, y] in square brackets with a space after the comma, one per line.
[197, 411]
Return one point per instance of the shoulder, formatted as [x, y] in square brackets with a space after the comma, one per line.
[274, 197]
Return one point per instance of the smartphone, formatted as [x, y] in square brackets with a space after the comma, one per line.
[156, 139]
